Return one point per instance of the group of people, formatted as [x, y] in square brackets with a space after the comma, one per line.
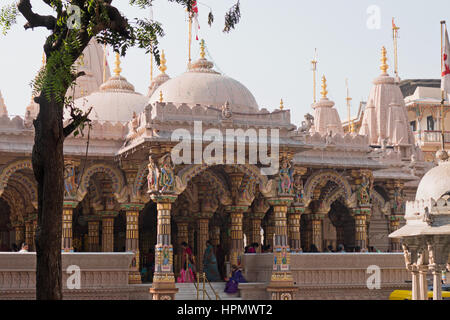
[212, 259]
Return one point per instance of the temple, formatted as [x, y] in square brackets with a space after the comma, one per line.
[247, 175]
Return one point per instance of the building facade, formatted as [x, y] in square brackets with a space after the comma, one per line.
[248, 174]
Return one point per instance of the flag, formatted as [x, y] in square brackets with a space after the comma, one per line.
[445, 80]
[194, 15]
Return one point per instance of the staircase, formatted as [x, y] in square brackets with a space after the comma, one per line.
[187, 291]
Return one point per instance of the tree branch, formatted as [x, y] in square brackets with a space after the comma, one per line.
[35, 20]
[77, 119]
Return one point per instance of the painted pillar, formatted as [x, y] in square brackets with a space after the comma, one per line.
[132, 239]
[316, 230]
[281, 286]
[255, 232]
[270, 232]
[215, 236]
[67, 228]
[294, 215]
[163, 287]
[237, 235]
[360, 215]
[29, 234]
[93, 234]
[202, 237]
[19, 234]
[107, 230]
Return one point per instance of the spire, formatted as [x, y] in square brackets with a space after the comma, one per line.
[324, 91]
[281, 104]
[117, 70]
[163, 60]
[384, 66]
[202, 49]
[3, 109]
[348, 99]
[161, 96]
[44, 59]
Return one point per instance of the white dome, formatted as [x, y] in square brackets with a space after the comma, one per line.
[435, 183]
[202, 85]
[115, 102]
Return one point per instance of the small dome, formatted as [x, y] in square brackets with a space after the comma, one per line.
[115, 102]
[435, 183]
[202, 85]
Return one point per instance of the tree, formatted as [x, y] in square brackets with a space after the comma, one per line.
[71, 28]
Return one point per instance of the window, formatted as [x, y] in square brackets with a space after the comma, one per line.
[430, 123]
[413, 125]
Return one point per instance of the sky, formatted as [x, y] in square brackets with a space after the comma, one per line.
[269, 51]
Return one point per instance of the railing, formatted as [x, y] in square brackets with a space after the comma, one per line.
[431, 136]
[201, 278]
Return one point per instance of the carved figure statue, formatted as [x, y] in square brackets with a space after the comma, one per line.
[226, 111]
[308, 123]
[430, 254]
[153, 175]
[427, 217]
[298, 188]
[364, 190]
[285, 185]
[407, 255]
[167, 177]
[69, 179]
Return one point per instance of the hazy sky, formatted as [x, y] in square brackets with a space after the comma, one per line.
[270, 50]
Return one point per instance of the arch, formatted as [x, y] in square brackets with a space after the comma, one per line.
[117, 178]
[27, 184]
[322, 177]
[10, 169]
[188, 173]
[333, 196]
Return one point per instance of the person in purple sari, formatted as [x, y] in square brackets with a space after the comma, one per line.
[233, 282]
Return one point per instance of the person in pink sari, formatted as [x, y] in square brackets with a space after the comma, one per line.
[187, 265]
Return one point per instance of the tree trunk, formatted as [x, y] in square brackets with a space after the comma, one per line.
[48, 167]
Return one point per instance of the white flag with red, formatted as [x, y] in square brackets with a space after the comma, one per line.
[194, 15]
[445, 81]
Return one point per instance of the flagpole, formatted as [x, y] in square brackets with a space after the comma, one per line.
[395, 37]
[104, 63]
[443, 25]
[314, 69]
[190, 37]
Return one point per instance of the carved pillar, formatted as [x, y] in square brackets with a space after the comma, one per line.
[237, 236]
[423, 283]
[294, 215]
[93, 233]
[415, 282]
[163, 279]
[132, 239]
[270, 231]
[67, 229]
[436, 270]
[360, 215]
[281, 286]
[19, 234]
[191, 236]
[33, 232]
[255, 228]
[29, 234]
[394, 224]
[107, 230]
[316, 229]
[202, 237]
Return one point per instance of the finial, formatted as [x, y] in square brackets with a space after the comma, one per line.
[117, 70]
[281, 105]
[384, 66]
[163, 61]
[160, 96]
[44, 59]
[324, 91]
[202, 49]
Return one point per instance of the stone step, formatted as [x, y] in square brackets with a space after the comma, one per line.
[187, 291]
